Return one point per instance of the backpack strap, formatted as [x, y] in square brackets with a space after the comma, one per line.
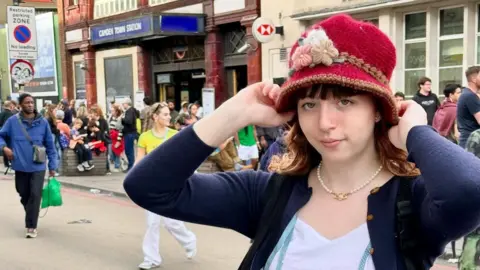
[274, 201]
[407, 230]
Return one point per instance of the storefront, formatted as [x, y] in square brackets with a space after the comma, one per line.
[123, 54]
[439, 39]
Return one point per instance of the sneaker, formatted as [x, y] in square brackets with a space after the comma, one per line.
[31, 233]
[148, 265]
[80, 168]
[88, 166]
[191, 253]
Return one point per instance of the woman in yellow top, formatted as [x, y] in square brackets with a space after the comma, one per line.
[157, 122]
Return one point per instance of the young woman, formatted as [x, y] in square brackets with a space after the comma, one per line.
[157, 122]
[103, 133]
[346, 164]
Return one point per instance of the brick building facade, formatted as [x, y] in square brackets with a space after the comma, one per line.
[174, 63]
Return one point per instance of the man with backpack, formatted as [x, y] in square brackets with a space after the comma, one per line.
[30, 142]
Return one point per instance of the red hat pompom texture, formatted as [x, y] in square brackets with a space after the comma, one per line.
[346, 52]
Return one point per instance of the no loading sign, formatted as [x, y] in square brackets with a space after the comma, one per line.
[22, 71]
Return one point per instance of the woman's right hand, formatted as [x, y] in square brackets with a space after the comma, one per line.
[254, 105]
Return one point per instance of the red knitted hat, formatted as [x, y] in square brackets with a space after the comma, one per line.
[346, 52]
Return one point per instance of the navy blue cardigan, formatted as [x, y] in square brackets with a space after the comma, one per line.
[446, 196]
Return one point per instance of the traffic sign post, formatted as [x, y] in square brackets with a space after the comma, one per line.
[263, 30]
[22, 33]
[22, 72]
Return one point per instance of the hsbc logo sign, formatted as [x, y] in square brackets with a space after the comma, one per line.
[263, 30]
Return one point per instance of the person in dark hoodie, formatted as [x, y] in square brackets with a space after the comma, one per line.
[444, 120]
[428, 100]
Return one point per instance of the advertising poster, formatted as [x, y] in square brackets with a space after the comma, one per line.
[44, 82]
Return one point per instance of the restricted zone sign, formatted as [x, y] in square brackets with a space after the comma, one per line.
[263, 30]
[22, 32]
[22, 71]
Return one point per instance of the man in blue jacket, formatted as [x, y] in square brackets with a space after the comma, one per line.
[29, 173]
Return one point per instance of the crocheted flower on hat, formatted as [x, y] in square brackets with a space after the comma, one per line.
[302, 57]
[315, 49]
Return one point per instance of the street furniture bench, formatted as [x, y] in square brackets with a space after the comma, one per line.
[70, 163]
[208, 166]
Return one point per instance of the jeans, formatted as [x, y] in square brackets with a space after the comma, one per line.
[130, 148]
[114, 158]
[29, 186]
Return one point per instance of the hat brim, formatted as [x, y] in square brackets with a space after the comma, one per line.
[346, 75]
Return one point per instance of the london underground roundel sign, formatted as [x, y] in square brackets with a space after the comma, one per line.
[263, 30]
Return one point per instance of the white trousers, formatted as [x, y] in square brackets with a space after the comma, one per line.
[151, 241]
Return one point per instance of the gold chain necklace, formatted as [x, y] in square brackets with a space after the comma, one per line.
[344, 196]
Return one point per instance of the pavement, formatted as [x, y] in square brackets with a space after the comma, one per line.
[109, 189]
[91, 231]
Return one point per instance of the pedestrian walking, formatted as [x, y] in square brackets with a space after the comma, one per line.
[157, 122]
[129, 122]
[344, 196]
[428, 100]
[468, 106]
[31, 142]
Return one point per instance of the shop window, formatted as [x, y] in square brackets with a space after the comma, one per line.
[451, 47]
[415, 50]
[80, 90]
[234, 40]
[118, 77]
[372, 21]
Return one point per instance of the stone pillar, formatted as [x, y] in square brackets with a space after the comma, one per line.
[144, 71]
[254, 54]
[214, 66]
[90, 76]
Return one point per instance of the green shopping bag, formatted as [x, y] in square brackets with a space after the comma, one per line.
[51, 194]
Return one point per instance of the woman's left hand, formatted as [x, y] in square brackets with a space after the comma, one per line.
[411, 115]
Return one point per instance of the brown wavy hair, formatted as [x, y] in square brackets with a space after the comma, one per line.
[301, 157]
[96, 109]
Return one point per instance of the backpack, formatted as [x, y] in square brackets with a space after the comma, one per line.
[277, 194]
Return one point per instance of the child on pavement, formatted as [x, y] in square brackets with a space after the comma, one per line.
[77, 143]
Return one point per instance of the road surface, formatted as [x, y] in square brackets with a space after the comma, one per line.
[111, 241]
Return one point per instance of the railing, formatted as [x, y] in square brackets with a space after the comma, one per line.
[104, 8]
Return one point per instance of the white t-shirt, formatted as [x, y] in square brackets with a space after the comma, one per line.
[309, 250]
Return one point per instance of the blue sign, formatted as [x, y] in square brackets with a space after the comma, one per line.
[182, 24]
[22, 34]
[139, 27]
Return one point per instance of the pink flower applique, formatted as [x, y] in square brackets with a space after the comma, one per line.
[302, 57]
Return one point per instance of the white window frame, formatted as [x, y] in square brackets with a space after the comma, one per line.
[477, 60]
[104, 8]
[413, 41]
[450, 37]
